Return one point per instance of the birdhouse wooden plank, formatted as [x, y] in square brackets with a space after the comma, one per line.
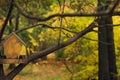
[12, 46]
[13, 61]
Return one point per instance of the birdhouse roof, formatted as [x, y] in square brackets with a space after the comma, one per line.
[16, 36]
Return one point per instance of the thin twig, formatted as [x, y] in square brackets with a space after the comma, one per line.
[67, 67]
[61, 20]
[67, 35]
[45, 26]
[98, 41]
[114, 25]
[17, 21]
[114, 6]
[64, 62]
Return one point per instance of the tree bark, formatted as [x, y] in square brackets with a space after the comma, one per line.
[1, 72]
[103, 53]
[107, 59]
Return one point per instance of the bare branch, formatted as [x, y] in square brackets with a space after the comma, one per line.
[64, 62]
[12, 74]
[45, 26]
[98, 41]
[67, 35]
[67, 67]
[114, 25]
[6, 20]
[63, 15]
[59, 3]
[17, 21]
[61, 20]
[114, 6]
[50, 50]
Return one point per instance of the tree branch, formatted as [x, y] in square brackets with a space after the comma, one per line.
[61, 20]
[114, 6]
[67, 67]
[13, 73]
[98, 41]
[63, 15]
[114, 25]
[17, 21]
[6, 20]
[54, 48]
[47, 51]
[45, 26]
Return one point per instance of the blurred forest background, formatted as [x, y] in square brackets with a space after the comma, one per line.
[78, 61]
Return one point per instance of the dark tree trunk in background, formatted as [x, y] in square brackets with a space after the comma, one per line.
[107, 59]
[1, 72]
[103, 54]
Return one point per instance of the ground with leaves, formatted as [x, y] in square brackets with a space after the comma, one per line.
[48, 71]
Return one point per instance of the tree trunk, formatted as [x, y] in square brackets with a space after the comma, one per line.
[103, 53]
[107, 59]
[1, 72]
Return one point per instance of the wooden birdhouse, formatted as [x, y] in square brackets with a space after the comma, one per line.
[12, 47]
